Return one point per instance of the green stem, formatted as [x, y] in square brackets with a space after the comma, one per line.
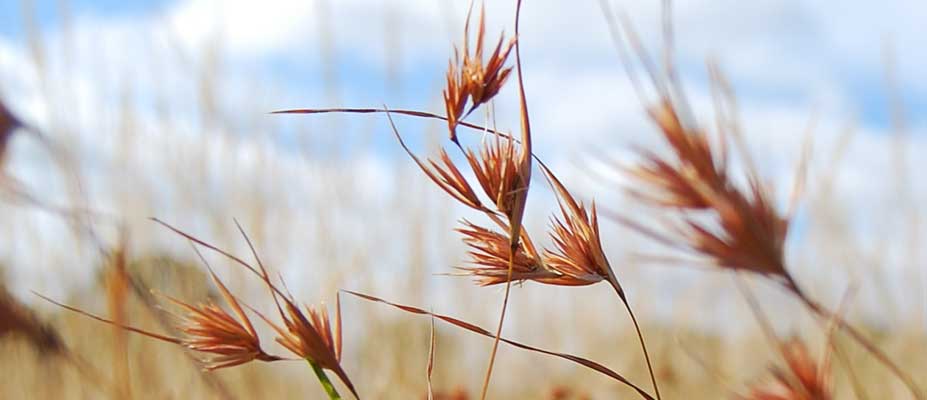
[323, 379]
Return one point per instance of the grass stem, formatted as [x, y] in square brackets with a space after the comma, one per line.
[323, 379]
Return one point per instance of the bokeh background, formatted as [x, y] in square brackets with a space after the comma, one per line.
[161, 109]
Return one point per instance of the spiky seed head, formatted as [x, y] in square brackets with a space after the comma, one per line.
[745, 232]
[490, 252]
[310, 335]
[498, 170]
[801, 379]
[471, 79]
[577, 254]
[208, 328]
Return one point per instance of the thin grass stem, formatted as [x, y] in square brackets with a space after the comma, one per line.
[640, 337]
[505, 303]
[323, 379]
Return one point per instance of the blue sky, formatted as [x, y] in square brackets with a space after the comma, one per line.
[779, 52]
[788, 60]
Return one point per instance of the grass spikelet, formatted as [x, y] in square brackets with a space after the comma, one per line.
[577, 253]
[490, 252]
[472, 81]
[208, 328]
[497, 169]
[310, 335]
[802, 378]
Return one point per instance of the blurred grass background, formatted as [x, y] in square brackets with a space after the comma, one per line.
[330, 205]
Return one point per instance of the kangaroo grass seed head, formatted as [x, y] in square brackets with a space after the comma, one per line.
[676, 182]
[471, 79]
[744, 232]
[498, 169]
[310, 335]
[208, 328]
[577, 254]
[490, 252]
[802, 379]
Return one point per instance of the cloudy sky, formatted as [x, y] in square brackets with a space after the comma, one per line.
[791, 62]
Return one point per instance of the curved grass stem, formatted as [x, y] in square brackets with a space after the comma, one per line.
[323, 379]
[640, 337]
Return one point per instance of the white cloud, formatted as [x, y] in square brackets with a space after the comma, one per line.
[785, 57]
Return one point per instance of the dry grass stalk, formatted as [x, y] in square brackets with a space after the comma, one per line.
[502, 168]
[579, 254]
[117, 287]
[430, 367]
[229, 339]
[483, 332]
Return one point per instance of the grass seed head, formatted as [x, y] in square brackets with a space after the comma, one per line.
[470, 79]
[208, 328]
[577, 254]
[490, 252]
[803, 378]
[681, 182]
[311, 335]
[499, 170]
[745, 232]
